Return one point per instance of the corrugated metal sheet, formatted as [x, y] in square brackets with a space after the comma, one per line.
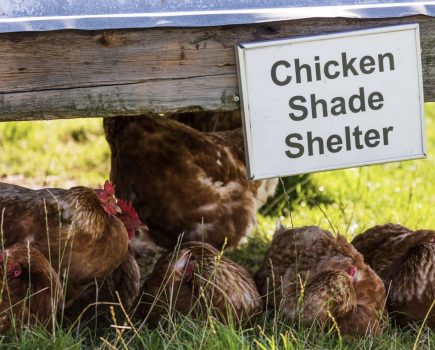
[40, 15]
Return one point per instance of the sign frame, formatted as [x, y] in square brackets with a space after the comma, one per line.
[241, 49]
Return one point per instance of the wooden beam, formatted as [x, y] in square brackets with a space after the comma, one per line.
[67, 74]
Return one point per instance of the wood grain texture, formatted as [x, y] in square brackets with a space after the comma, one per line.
[67, 74]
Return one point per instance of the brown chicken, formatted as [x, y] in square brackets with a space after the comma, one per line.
[310, 275]
[405, 260]
[30, 291]
[197, 281]
[183, 181]
[77, 230]
[121, 286]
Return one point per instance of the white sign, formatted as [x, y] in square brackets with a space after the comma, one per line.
[332, 101]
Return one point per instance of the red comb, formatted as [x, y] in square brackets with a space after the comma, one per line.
[129, 216]
[127, 208]
[109, 188]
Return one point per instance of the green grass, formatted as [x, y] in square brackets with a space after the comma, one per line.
[348, 201]
[52, 153]
[362, 197]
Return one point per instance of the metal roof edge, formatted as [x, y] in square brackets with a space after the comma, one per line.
[204, 18]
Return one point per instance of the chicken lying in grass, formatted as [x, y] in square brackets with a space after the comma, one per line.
[30, 291]
[197, 281]
[185, 181]
[121, 286]
[405, 260]
[311, 275]
[77, 230]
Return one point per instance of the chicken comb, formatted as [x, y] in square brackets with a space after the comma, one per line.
[128, 209]
[109, 188]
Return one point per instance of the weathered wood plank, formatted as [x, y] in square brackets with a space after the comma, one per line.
[128, 72]
[176, 95]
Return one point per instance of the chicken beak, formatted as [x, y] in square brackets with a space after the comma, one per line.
[143, 227]
[118, 210]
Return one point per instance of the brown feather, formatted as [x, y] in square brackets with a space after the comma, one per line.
[214, 286]
[182, 180]
[70, 227]
[33, 297]
[404, 259]
[96, 300]
[305, 274]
